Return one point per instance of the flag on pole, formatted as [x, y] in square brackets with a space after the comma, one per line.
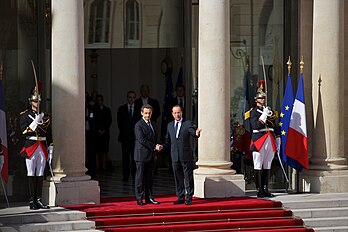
[296, 146]
[284, 121]
[3, 132]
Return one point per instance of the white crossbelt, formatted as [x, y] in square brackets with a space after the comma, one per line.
[263, 130]
[36, 138]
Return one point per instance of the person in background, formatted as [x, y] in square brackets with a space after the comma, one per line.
[126, 121]
[103, 120]
[145, 99]
[90, 136]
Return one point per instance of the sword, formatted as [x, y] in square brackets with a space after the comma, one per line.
[54, 183]
[36, 84]
[50, 148]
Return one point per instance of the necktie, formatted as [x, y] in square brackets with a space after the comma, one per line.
[181, 103]
[176, 127]
[149, 125]
[130, 111]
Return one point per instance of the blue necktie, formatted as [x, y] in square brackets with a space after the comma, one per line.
[149, 124]
[176, 127]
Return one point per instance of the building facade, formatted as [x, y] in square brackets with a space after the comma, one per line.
[112, 46]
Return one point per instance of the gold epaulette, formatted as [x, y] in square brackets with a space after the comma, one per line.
[247, 114]
[23, 112]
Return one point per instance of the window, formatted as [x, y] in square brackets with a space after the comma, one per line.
[99, 22]
[132, 24]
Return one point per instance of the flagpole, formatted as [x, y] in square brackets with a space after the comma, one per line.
[297, 172]
[5, 192]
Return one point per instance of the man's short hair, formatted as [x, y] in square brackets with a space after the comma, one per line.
[146, 106]
[180, 86]
[177, 106]
[130, 91]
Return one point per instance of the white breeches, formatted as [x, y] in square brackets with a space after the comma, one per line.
[36, 163]
[263, 158]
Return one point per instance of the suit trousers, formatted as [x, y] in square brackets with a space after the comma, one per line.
[183, 175]
[144, 179]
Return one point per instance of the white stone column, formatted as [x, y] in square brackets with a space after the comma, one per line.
[68, 106]
[328, 165]
[214, 178]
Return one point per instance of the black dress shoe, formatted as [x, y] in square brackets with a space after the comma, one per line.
[179, 201]
[33, 205]
[140, 202]
[151, 201]
[41, 205]
[188, 201]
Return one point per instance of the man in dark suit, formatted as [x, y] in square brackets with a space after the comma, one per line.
[179, 133]
[145, 99]
[126, 122]
[144, 156]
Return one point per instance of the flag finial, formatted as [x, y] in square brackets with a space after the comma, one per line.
[289, 65]
[301, 64]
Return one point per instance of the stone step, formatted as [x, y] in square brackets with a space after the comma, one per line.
[321, 212]
[326, 222]
[332, 229]
[80, 225]
[11, 216]
[315, 203]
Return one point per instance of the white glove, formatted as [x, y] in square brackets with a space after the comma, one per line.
[50, 154]
[38, 120]
[2, 161]
[266, 112]
[278, 142]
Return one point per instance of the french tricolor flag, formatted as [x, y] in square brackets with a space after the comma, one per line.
[296, 145]
[3, 133]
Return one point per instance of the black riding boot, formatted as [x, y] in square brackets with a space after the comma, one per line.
[32, 195]
[265, 179]
[39, 202]
[257, 174]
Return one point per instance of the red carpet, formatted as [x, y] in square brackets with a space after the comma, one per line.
[226, 214]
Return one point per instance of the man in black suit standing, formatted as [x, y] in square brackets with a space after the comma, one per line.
[145, 99]
[144, 156]
[179, 133]
[126, 121]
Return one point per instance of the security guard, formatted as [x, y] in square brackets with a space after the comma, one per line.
[263, 141]
[35, 127]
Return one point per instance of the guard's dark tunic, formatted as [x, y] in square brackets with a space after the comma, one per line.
[43, 134]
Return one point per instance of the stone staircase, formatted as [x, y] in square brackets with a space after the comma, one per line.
[322, 212]
[55, 219]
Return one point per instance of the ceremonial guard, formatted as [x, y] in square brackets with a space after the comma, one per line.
[38, 147]
[263, 140]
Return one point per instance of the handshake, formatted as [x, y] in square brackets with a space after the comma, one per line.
[158, 147]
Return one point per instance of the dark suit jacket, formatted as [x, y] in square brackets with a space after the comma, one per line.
[151, 101]
[255, 124]
[145, 141]
[125, 125]
[180, 147]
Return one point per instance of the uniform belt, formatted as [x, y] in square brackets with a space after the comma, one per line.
[263, 130]
[36, 138]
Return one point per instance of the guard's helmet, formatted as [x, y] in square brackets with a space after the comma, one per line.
[260, 90]
[260, 94]
[34, 95]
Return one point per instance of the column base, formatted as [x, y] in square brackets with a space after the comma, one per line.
[75, 192]
[219, 186]
[320, 181]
